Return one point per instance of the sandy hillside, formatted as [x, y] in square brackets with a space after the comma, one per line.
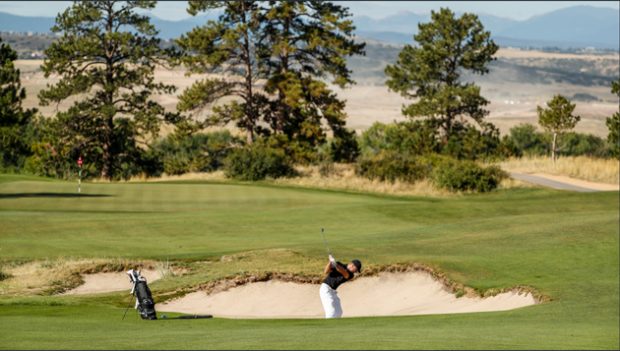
[518, 53]
[511, 102]
[388, 294]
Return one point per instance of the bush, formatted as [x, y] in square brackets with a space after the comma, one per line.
[182, 153]
[344, 147]
[508, 148]
[412, 137]
[56, 147]
[469, 143]
[578, 144]
[528, 141]
[298, 152]
[257, 162]
[391, 166]
[444, 171]
[422, 138]
[51, 155]
[613, 123]
[456, 175]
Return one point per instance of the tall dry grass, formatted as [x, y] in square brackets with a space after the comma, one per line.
[579, 167]
[337, 177]
[343, 177]
[52, 276]
[215, 176]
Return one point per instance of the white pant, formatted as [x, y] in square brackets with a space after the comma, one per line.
[330, 301]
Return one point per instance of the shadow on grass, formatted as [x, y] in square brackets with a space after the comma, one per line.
[49, 195]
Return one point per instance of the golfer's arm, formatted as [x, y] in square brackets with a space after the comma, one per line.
[342, 271]
[328, 268]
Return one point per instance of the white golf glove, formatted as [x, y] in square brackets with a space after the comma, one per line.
[332, 260]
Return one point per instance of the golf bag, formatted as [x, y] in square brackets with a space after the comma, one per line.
[144, 299]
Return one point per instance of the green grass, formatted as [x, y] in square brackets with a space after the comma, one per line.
[563, 244]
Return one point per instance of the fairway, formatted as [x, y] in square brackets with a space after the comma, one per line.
[562, 245]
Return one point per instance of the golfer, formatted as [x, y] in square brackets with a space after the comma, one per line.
[337, 273]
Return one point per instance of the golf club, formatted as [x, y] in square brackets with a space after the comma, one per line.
[128, 305]
[329, 252]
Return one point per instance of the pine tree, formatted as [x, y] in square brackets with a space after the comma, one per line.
[106, 58]
[613, 123]
[557, 118]
[431, 71]
[307, 43]
[13, 118]
[225, 47]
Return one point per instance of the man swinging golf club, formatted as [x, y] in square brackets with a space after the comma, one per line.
[337, 274]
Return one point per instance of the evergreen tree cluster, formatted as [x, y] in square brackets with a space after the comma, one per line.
[266, 68]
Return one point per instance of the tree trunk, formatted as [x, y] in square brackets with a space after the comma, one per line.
[106, 171]
[250, 112]
[284, 110]
[553, 156]
[108, 113]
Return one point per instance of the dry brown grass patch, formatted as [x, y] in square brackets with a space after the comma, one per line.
[49, 277]
[343, 177]
[579, 167]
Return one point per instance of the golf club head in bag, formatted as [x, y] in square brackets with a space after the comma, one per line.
[144, 299]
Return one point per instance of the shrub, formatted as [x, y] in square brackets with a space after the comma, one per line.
[51, 155]
[444, 171]
[466, 175]
[508, 148]
[298, 152]
[257, 162]
[578, 144]
[391, 166]
[344, 147]
[613, 123]
[528, 140]
[470, 143]
[182, 153]
[412, 137]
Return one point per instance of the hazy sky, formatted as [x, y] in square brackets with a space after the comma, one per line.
[175, 10]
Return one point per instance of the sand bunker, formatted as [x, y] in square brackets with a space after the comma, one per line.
[388, 294]
[108, 282]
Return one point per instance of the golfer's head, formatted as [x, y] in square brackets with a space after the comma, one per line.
[355, 266]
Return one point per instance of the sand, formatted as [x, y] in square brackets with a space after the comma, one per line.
[108, 282]
[388, 294]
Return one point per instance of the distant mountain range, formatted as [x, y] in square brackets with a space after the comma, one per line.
[167, 29]
[576, 27]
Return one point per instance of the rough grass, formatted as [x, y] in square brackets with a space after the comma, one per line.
[563, 244]
[343, 177]
[336, 177]
[56, 275]
[4, 275]
[580, 167]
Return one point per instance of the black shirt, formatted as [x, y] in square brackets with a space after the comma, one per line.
[335, 279]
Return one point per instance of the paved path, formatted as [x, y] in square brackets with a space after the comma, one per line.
[549, 183]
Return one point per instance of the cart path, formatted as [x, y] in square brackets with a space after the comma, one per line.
[563, 183]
